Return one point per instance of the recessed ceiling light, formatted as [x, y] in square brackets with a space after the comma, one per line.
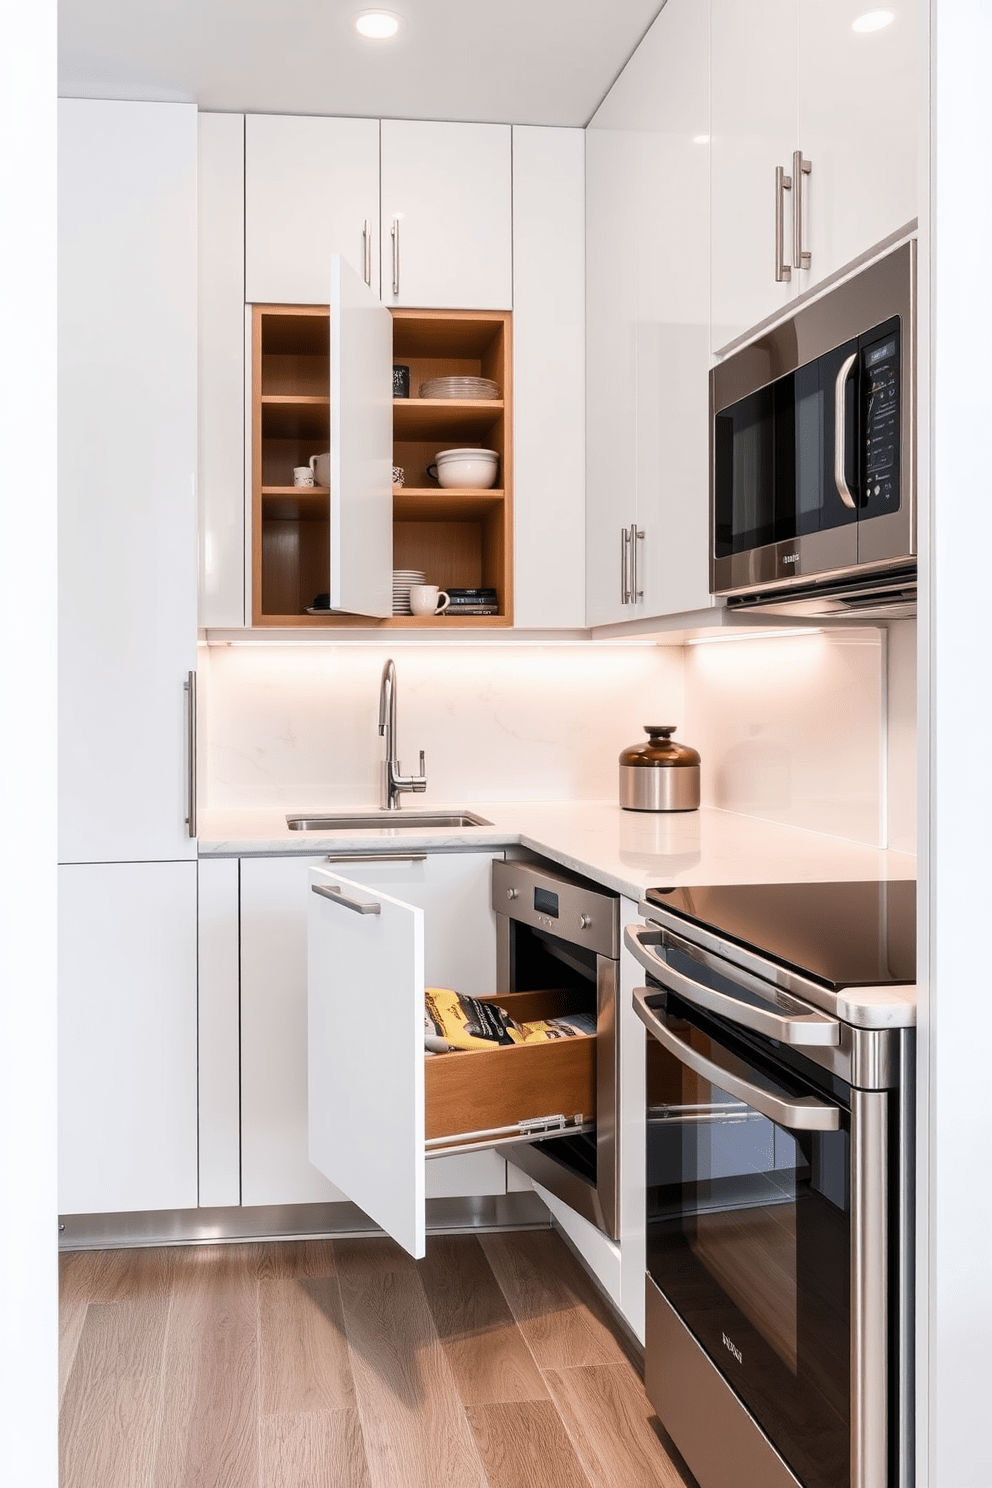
[700, 139]
[873, 20]
[379, 25]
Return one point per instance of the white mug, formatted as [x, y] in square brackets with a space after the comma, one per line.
[428, 599]
[320, 465]
[302, 475]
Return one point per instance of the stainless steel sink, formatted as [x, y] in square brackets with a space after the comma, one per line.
[348, 822]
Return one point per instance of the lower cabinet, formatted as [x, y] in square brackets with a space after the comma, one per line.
[127, 1037]
[369, 1076]
[451, 892]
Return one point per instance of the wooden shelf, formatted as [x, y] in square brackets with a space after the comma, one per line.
[444, 504]
[393, 622]
[295, 503]
[294, 417]
[445, 418]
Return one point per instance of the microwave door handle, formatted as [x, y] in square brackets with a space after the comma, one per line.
[840, 432]
[801, 1113]
[799, 1030]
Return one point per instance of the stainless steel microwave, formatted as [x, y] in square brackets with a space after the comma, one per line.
[812, 476]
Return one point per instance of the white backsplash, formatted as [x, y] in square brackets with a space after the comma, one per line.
[814, 731]
[792, 729]
[297, 726]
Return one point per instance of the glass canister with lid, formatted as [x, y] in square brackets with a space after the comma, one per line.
[659, 775]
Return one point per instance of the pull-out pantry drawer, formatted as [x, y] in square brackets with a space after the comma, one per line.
[378, 1107]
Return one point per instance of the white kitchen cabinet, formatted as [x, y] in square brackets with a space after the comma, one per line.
[793, 76]
[127, 476]
[446, 215]
[548, 377]
[127, 1037]
[753, 129]
[648, 317]
[311, 189]
[221, 382]
[452, 890]
[373, 1080]
[859, 124]
[218, 1104]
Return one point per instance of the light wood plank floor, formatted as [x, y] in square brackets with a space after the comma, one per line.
[493, 1363]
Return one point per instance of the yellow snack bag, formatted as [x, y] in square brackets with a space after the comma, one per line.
[458, 1022]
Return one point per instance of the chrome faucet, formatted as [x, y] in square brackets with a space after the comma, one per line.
[392, 781]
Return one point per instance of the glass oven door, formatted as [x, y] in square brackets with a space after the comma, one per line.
[749, 1225]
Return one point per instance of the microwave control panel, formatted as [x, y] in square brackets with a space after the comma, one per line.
[880, 423]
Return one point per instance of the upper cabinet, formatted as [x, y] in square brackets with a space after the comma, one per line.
[441, 193]
[311, 189]
[647, 309]
[446, 215]
[814, 147]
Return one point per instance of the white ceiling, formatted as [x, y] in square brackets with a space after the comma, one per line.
[505, 61]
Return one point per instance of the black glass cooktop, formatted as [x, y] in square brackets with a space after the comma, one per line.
[841, 934]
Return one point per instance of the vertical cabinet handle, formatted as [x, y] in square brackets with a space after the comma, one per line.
[189, 687]
[625, 566]
[801, 257]
[367, 245]
[783, 183]
[636, 536]
[396, 255]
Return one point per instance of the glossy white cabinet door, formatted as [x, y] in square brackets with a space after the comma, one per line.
[361, 501]
[754, 128]
[218, 1032]
[549, 377]
[453, 890]
[365, 976]
[311, 189]
[859, 117]
[221, 385]
[669, 78]
[127, 470]
[127, 1037]
[446, 189]
[611, 313]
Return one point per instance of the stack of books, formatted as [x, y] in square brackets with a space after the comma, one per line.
[472, 602]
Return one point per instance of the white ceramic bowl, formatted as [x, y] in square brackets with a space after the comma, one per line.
[474, 469]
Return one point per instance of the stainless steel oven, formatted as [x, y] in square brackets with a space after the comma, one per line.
[812, 486]
[778, 1201]
[554, 929]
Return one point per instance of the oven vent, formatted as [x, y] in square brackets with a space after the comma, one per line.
[888, 596]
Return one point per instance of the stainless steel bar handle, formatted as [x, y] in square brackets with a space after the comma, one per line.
[801, 257]
[396, 255]
[636, 536]
[374, 857]
[338, 896]
[869, 1310]
[802, 1113]
[797, 1029]
[783, 183]
[189, 688]
[367, 245]
[840, 432]
[625, 566]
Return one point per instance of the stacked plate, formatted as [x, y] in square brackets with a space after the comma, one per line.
[402, 579]
[460, 387]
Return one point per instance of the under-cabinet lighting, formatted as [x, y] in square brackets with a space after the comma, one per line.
[873, 20]
[753, 635]
[377, 25]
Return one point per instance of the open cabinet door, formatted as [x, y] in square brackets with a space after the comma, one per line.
[365, 993]
[361, 394]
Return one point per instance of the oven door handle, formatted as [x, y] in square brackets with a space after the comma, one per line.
[799, 1029]
[803, 1113]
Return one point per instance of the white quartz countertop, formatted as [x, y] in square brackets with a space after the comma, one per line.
[628, 851]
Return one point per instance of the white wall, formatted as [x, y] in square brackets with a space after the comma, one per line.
[296, 726]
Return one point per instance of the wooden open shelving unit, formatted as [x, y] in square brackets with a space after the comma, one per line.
[457, 537]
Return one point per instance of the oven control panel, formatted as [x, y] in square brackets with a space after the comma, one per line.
[561, 905]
